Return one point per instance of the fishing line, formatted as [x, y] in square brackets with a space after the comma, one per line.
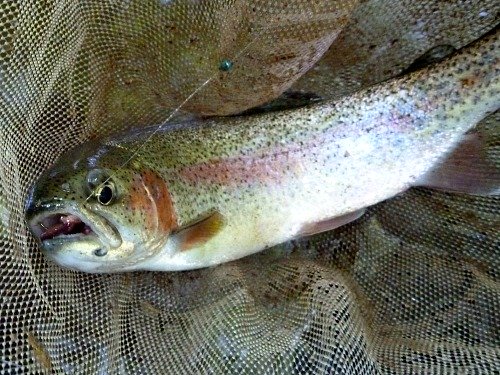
[225, 65]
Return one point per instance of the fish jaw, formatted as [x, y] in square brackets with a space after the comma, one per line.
[73, 255]
[107, 248]
[62, 228]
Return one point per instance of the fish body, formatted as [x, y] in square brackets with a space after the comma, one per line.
[202, 193]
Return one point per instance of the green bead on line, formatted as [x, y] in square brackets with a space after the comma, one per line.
[226, 65]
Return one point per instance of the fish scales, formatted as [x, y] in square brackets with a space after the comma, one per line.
[234, 186]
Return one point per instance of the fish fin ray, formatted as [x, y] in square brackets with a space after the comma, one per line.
[199, 232]
[466, 169]
[330, 224]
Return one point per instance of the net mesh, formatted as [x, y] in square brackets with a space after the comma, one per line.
[412, 287]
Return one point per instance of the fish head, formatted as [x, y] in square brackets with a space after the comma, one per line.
[96, 210]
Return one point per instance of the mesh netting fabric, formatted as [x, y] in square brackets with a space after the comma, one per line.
[412, 287]
[385, 38]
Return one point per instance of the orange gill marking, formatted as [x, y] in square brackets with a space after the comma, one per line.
[149, 195]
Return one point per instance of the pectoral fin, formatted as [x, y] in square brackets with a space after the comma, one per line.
[467, 169]
[199, 232]
[330, 224]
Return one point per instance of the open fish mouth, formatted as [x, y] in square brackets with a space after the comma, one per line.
[73, 225]
[57, 225]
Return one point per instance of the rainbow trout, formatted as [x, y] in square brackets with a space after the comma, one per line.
[198, 194]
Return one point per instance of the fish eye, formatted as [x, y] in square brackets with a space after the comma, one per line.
[106, 193]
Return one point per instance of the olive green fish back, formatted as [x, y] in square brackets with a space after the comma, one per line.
[412, 287]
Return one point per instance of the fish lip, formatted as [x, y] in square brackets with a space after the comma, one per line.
[102, 228]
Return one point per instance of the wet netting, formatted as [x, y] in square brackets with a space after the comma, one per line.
[411, 287]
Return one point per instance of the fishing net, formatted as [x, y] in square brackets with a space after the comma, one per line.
[411, 287]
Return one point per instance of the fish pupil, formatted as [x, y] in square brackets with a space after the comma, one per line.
[105, 195]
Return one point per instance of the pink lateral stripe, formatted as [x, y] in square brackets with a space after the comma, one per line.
[270, 168]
